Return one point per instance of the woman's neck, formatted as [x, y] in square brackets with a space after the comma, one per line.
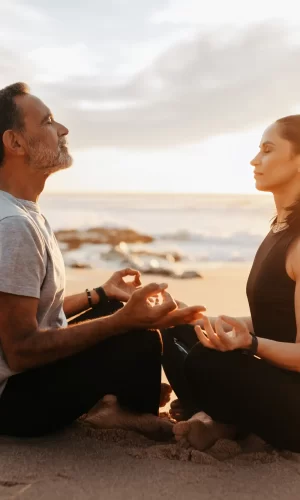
[284, 199]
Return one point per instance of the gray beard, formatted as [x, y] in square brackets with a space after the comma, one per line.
[45, 160]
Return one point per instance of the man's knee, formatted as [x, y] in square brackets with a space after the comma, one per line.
[149, 341]
[110, 307]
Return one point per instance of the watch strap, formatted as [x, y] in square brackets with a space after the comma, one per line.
[102, 295]
[252, 350]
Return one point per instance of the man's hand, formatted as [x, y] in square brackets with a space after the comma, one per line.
[180, 304]
[117, 288]
[141, 313]
[237, 338]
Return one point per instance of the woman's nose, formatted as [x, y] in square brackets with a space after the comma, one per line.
[255, 161]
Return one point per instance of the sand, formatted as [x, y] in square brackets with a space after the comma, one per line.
[83, 463]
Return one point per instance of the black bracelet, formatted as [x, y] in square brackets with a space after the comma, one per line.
[252, 351]
[102, 295]
[89, 296]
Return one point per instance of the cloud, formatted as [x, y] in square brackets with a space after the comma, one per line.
[22, 11]
[14, 67]
[217, 12]
[196, 89]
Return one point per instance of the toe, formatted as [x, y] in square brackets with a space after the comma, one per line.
[181, 429]
[109, 400]
[176, 404]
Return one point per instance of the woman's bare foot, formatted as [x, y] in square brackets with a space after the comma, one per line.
[165, 394]
[202, 432]
[107, 414]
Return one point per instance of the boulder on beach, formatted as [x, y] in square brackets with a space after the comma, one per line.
[121, 251]
[161, 271]
[79, 265]
[145, 260]
[187, 275]
[159, 267]
[74, 238]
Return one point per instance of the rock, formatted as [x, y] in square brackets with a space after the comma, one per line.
[169, 256]
[79, 265]
[187, 275]
[122, 252]
[160, 271]
[165, 271]
[113, 236]
[118, 252]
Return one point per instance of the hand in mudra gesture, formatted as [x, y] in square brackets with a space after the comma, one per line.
[119, 289]
[237, 338]
[142, 312]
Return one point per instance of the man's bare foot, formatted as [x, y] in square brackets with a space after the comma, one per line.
[177, 412]
[202, 432]
[107, 414]
[165, 394]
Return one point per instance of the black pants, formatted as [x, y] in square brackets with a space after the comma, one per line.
[235, 389]
[50, 397]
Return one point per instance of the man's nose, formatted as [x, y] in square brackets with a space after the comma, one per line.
[62, 130]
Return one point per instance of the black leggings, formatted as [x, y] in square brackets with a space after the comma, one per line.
[48, 398]
[235, 389]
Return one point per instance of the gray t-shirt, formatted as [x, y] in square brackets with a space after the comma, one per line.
[31, 264]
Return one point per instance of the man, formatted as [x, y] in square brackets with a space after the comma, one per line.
[52, 371]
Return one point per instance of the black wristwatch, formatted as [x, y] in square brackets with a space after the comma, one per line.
[102, 295]
[252, 350]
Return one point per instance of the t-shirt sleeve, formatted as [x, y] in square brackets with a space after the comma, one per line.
[22, 257]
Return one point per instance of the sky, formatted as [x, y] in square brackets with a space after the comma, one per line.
[158, 95]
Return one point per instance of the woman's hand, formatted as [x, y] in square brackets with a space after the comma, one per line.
[118, 289]
[238, 337]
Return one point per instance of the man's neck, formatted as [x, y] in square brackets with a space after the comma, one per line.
[22, 183]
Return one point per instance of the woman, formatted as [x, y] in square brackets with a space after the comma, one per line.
[244, 374]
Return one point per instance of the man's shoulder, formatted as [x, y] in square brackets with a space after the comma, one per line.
[16, 223]
[9, 209]
[17, 226]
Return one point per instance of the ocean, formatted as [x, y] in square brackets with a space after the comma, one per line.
[206, 229]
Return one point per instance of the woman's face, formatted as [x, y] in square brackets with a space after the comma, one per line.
[275, 165]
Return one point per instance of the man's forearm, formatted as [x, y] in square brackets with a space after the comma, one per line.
[75, 304]
[46, 346]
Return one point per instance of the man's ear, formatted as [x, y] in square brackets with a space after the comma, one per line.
[12, 143]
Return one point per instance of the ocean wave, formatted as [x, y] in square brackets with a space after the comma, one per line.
[243, 238]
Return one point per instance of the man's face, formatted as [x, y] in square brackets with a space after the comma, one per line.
[44, 139]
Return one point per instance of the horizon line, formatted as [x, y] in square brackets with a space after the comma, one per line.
[168, 193]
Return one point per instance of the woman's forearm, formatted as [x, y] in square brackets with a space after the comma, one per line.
[282, 354]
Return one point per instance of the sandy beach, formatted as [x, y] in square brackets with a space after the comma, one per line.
[83, 463]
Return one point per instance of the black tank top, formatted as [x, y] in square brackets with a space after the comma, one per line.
[271, 291]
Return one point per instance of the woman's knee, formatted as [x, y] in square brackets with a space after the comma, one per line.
[203, 362]
[196, 359]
